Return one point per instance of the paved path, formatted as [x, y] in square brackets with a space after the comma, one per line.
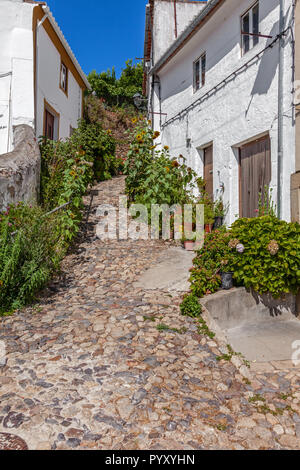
[89, 369]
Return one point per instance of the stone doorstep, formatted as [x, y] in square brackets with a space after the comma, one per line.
[273, 366]
[255, 367]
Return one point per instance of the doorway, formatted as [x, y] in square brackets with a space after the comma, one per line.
[208, 172]
[255, 174]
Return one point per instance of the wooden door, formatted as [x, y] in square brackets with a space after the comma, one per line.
[255, 174]
[208, 171]
[49, 125]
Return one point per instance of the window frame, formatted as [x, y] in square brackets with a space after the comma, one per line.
[65, 90]
[253, 40]
[56, 127]
[201, 82]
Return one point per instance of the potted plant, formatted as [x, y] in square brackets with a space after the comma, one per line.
[228, 262]
[226, 273]
[219, 214]
[208, 216]
[205, 199]
[189, 243]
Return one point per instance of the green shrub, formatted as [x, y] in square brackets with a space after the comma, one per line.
[214, 256]
[271, 258]
[190, 306]
[89, 153]
[152, 176]
[118, 92]
[69, 167]
[29, 254]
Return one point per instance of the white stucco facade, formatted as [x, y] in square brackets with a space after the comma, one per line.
[30, 64]
[165, 18]
[69, 107]
[16, 69]
[242, 108]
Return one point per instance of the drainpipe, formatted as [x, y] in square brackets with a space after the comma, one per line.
[37, 66]
[175, 19]
[159, 98]
[280, 110]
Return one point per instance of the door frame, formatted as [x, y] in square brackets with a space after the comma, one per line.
[204, 148]
[240, 146]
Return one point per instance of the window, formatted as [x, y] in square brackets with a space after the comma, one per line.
[199, 72]
[51, 122]
[250, 28]
[49, 125]
[64, 78]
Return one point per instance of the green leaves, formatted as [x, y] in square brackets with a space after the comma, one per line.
[152, 176]
[118, 92]
[257, 267]
[191, 306]
[27, 258]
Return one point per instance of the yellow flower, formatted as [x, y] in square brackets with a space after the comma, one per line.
[156, 134]
[134, 120]
[166, 147]
[168, 169]
[153, 147]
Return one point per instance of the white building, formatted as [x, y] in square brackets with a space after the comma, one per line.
[223, 91]
[41, 82]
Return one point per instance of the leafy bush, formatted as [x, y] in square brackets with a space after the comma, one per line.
[190, 306]
[118, 92]
[99, 147]
[271, 258]
[214, 256]
[69, 167]
[263, 253]
[29, 254]
[152, 176]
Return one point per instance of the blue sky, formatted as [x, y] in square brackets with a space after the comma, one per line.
[102, 33]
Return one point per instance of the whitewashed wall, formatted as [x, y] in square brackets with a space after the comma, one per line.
[164, 22]
[16, 57]
[243, 109]
[48, 73]
[17, 90]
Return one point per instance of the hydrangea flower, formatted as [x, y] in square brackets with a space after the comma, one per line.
[240, 248]
[273, 247]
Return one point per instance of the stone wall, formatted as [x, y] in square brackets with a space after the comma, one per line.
[20, 169]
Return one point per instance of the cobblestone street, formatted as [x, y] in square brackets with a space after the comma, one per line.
[89, 367]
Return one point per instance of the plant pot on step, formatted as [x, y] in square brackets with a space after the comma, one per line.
[208, 228]
[218, 222]
[227, 280]
[189, 245]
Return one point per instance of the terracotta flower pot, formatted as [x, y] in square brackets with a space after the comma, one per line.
[208, 228]
[189, 245]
